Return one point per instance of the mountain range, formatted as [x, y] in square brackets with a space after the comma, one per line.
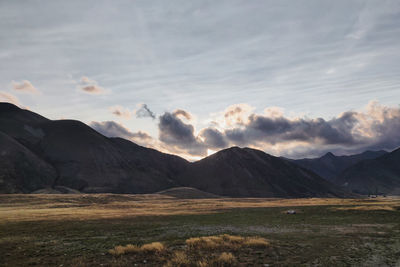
[38, 154]
[370, 172]
[373, 176]
[330, 166]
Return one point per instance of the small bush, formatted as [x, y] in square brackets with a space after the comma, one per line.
[225, 241]
[233, 238]
[179, 259]
[205, 242]
[202, 263]
[151, 247]
[225, 259]
[118, 250]
[256, 242]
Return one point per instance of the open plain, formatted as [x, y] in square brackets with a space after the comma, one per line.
[157, 230]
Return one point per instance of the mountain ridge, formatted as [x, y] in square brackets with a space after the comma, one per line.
[329, 166]
[247, 172]
[85, 160]
[373, 176]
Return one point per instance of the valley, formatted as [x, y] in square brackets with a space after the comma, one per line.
[79, 230]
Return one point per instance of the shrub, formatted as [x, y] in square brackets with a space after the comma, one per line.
[225, 241]
[256, 242]
[179, 259]
[225, 259]
[118, 250]
[233, 238]
[153, 247]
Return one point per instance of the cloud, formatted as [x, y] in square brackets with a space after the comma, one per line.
[179, 135]
[121, 112]
[24, 86]
[236, 114]
[141, 135]
[111, 129]
[180, 112]
[6, 97]
[375, 127]
[114, 129]
[144, 112]
[213, 138]
[372, 128]
[93, 89]
[90, 86]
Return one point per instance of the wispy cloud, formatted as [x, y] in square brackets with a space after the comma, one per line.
[90, 86]
[315, 61]
[25, 87]
[6, 97]
[121, 112]
[144, 111]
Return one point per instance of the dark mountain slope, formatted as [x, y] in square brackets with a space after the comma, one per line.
[380, 175]
[21, 171]
[88, 161]
[330, 166]
[247, 172]
[21, 124]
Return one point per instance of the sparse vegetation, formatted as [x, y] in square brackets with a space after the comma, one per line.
[204, 247]
[369, 207]
[79, 230]
[179, 259]
[120, 250]
[226, 259]
[151, 247]
[256, 242]
[225, 241]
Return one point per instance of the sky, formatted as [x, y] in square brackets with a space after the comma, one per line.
[292, 78]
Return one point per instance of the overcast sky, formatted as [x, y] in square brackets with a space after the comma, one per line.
[192, 77]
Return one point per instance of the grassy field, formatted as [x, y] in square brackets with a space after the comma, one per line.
[155, 230]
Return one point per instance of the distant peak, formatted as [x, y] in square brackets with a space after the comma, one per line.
[329, 155]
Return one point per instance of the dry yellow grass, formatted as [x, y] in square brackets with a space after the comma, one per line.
[225, 241]
[233, 238]
[151, 247]
[225, 259]
[202, 263]
[101, 206]
[179, 259]
[120, 250]
[368, 207]
[207, 242]
[258, 242]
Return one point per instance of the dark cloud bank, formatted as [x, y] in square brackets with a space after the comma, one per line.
[350, 132]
